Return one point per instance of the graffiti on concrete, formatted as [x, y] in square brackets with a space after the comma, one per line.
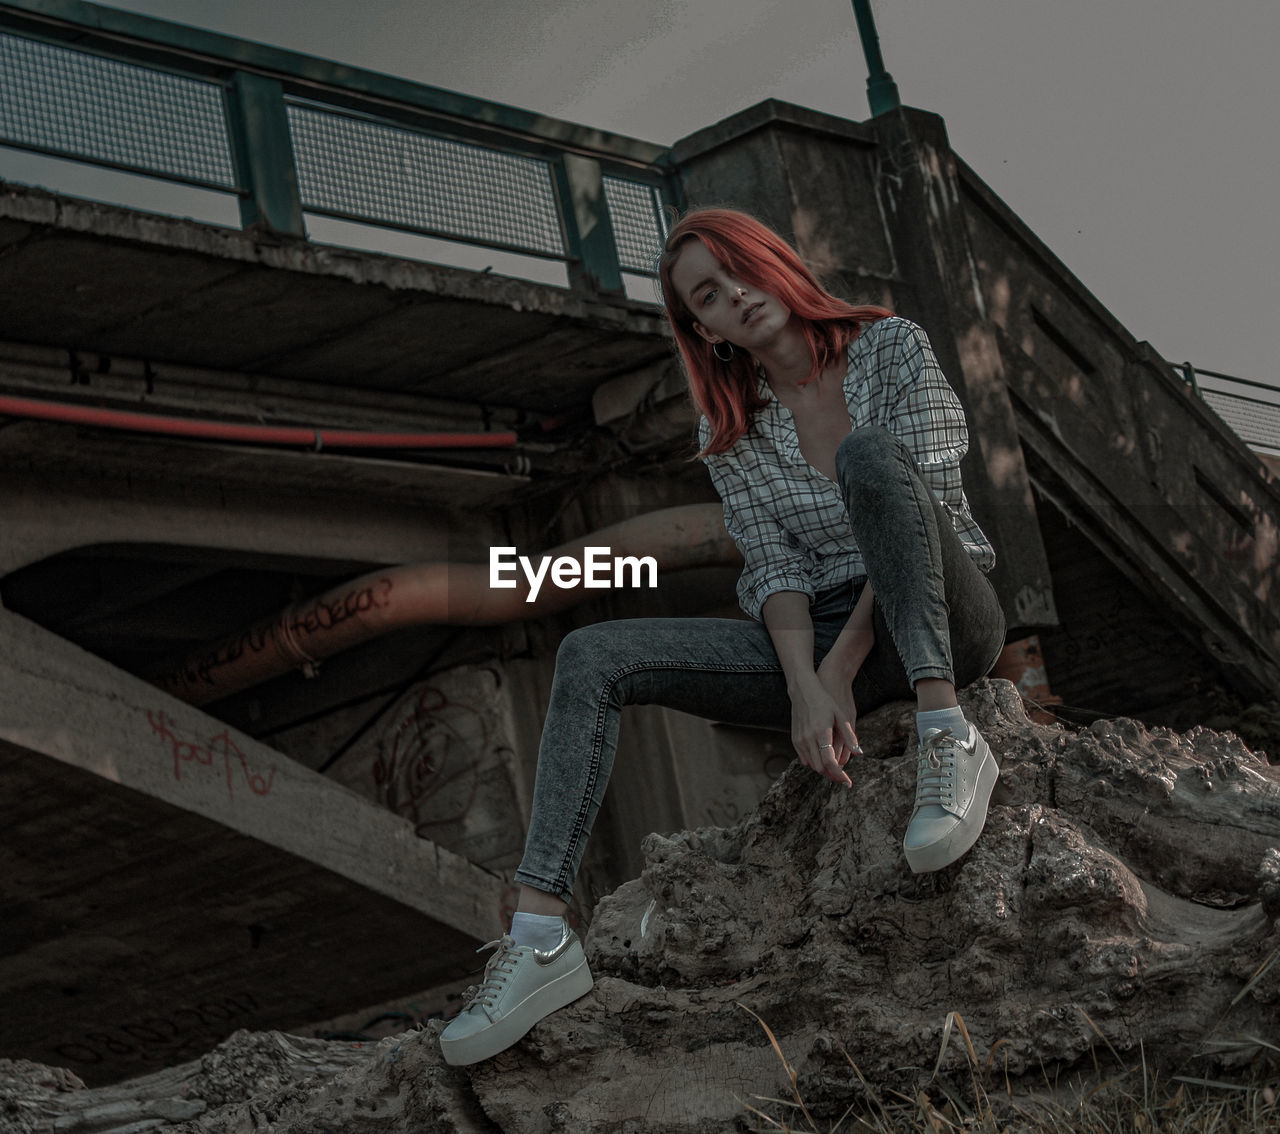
[428, 767]
[1033, 606]
[220, 752]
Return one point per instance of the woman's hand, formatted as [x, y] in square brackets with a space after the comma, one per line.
[822, 709]
[837, 679]
[836, 672]
[822, 728]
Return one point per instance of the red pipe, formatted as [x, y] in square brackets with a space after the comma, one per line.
[305, 435]
[420, 594]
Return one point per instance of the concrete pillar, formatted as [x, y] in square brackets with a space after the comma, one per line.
[811, 177]
[919, 189]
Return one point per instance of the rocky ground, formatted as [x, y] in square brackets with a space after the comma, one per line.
[1120, 908]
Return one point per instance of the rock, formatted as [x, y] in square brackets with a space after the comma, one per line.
[1118, 894]
[1125, 892]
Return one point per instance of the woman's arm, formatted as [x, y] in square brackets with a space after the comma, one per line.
[851, 648]
[821, 726]
[845, 658]
[772, 560]
[776, 587]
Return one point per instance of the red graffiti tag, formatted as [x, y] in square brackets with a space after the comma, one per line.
[220, 747]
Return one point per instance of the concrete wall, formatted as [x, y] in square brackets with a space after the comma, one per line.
[1158, 486]
[1065, 408]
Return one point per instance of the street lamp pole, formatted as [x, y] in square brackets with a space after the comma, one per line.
[882, 91]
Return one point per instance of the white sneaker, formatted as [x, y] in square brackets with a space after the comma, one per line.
[521, 985]
[954, 781]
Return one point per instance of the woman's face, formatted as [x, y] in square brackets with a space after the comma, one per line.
[725, 309]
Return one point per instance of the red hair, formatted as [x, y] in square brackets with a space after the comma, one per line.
[725, 392]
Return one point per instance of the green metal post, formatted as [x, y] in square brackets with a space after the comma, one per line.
[882, 91]
[263, 153]
[593, 264]
[1189, 373]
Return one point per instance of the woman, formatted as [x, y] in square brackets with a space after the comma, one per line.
[834, 442]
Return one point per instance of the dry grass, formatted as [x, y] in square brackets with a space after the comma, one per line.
[1135, 1100]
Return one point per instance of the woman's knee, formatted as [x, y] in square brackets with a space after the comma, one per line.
[865, 456]
[977, 639]
[587, 647]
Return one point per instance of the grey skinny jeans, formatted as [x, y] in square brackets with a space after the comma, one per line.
[935, 615]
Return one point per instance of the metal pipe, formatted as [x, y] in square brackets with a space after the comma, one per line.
[306, 436]
[458, 594]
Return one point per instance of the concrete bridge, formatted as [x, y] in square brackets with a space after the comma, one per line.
[218, 442]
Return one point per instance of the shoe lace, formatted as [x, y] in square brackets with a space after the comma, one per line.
[935, 772]
[496, 971]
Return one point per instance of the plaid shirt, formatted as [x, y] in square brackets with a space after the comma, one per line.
[789, 520]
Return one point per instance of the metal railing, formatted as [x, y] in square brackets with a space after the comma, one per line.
[290, 135]
[1255, 420]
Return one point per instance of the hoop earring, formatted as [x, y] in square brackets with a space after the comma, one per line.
[715, 349]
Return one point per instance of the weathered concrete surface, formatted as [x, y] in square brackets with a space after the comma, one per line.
[1145, 471]
[165, 878]
[210, 512]
[118, 282]
[1125, 892]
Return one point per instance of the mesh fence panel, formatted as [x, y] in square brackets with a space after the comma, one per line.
[74, 104]
[82, 106]
[381, 173]
[639, 226]
[1254, 422]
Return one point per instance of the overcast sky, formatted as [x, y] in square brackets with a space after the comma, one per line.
[1140, 139]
